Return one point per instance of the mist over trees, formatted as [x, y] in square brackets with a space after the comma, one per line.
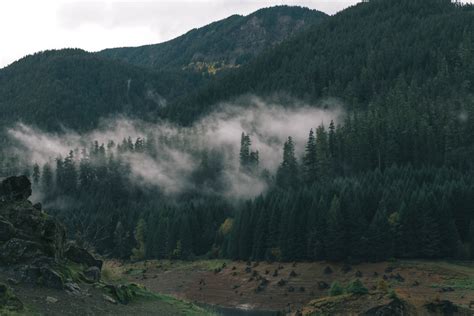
[355, 192]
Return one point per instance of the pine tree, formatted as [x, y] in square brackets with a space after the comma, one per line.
[120, 237]
[323, 154]
[287, 174]
[335, 232]
[249, 160]
[69, 174]
[36, 174]
[471, 239]
[310, 161]
[138, 253]
[244, 151]
[47, 178]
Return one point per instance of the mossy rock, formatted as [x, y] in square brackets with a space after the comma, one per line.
[8, 301]
[126, 293]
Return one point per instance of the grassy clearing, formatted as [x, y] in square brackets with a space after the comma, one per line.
[460, 284]
[184, 308]
[114, 270]
[457, 267]
[456, 274]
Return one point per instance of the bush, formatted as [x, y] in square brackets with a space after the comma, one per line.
[356, 287]
[393, 295]
[382, 286]
[336, 289]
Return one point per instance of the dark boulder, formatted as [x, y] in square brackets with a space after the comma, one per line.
[394, 308]
[51, 278]
[92, 274]
[443, 307]
[323, 285]
[282, 282]
[327, 270]
[15, 189]
[82, 256]
[17, 251]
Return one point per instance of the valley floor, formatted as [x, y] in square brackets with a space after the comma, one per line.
[263, 289]
[294, 287]
[40, 301]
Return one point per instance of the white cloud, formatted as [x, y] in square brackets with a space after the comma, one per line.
[267, 122]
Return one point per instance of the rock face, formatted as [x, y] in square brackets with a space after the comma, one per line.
[80, 255]
[26, 232]
[395, 307]
[32, 243]
[15, 188]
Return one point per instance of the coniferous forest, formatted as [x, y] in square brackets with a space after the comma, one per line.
[393, 179]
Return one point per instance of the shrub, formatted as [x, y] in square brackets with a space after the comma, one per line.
[393, 295]
[356, 287]
[336, 289]
[382, 286]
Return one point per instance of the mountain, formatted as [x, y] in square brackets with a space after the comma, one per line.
[363, 54]
[74, 89]
[225, 44]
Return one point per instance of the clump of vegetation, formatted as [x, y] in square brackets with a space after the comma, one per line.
[336, 289]
[393, 295]
[111, 272]
[9, 303]
[459, 283]
[382, 286]
[356, 287]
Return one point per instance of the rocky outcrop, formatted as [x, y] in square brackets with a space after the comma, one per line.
[33, 244]
[15, 188]
[26, 232]
[82, 256]
[395, 307]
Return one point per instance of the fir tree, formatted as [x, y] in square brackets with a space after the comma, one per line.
[287, 174]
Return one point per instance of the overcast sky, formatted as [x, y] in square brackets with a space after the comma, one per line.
[28, 26]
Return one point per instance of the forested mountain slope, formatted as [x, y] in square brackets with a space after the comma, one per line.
[393, 177]
[364, 54]
[228, 43]
[74, 89]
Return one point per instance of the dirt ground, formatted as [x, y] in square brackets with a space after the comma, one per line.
[263, 286]
[236, 284]
[91, 302]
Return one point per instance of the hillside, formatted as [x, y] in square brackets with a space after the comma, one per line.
[412, 287]
[417, 50]
[43, 273]
[74, 89]
[225, 44]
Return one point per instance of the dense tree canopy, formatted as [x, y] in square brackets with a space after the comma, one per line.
[393, 179]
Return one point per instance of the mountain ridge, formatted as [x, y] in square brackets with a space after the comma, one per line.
[231, 42]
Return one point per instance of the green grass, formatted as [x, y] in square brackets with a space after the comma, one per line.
[460, 284]
[184, 308]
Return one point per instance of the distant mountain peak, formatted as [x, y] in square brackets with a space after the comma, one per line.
[224, 44]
